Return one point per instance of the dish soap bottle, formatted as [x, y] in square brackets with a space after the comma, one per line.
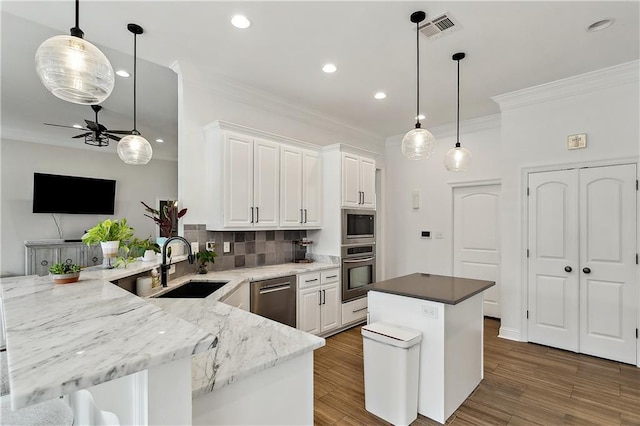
[155, 278]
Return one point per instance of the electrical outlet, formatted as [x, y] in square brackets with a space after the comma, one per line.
[430, 311]
[210, 245]
[439, 235]
[195, 247]
[172, 269]
[227, 247]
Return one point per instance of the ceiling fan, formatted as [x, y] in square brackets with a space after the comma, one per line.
[96, 134]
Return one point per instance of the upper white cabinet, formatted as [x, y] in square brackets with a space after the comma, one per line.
[251, 188]
[255, 180]
[300, 188]
[358, 181]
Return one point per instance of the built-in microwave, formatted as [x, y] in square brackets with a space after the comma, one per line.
[358, 226]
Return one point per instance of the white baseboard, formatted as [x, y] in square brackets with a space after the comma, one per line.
[510, 334]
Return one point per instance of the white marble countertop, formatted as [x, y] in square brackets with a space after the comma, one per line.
[247, 343]
[101, 273]
[63, 338]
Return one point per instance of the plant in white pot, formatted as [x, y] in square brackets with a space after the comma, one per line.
[65, 273]
[111, 235]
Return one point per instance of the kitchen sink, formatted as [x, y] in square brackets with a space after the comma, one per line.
[194, 289]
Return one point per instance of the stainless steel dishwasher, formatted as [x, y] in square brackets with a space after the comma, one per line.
[275, 299]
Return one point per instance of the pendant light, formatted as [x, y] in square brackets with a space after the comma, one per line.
[457, 159]
[73, 69]
[418, 144]
[133, 148]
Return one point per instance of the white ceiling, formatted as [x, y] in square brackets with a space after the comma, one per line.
[509, 46]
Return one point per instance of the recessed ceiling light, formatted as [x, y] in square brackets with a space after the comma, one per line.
[159, 140]
[77, 126]
[122, 73]
[240, 21]
[380, 95]
[601, 25]
[329, 68]
[421, 117]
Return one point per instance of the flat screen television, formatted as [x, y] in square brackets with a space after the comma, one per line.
[73, 194]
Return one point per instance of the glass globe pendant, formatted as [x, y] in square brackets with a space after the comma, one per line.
[73, 69]
[457, 159]
[418, 144]
[133, 148]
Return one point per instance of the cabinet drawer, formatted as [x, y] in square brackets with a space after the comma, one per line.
[330, 276]
[353, 311]
[308, 280]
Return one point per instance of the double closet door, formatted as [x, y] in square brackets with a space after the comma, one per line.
[582, 287]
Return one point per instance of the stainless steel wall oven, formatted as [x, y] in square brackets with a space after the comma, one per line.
[358, 270]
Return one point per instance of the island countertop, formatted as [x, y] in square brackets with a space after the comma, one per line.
[435, 288]
[63, 338]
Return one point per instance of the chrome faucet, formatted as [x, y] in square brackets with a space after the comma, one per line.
[165, 267]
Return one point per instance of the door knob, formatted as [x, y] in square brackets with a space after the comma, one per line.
[586, 270]
[568, 269]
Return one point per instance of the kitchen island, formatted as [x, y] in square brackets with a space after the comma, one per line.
[448, 312]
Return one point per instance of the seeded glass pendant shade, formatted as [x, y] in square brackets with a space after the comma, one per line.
[133, 148]
[457, 159]
[73, 69]
[418, 144]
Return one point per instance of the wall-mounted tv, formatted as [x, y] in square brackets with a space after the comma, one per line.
[73, 194]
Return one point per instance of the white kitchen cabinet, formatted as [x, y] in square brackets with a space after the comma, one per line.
[240, 298]
[354, 311]
[300, 188]
[251, 182]
[358, 181]
[319, 301]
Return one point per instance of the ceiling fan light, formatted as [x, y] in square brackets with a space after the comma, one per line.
[457, 159]
[134, 149]
[418, 144]
[74, 70]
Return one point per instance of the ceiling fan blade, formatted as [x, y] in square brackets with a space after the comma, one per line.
[121, 132]
[91, 125]
[60, 125]
[81, 136]
[115, 138]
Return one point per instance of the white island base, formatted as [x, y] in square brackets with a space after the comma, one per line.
[451, 355]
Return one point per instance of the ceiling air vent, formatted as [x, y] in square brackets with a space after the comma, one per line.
[439, 26]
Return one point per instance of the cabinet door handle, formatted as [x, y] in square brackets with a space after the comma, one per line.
[301, 216]
[251, 214]
[257, 215]
[359, 310]
[305, 215]
[586, 270]
[319, 297]
[332, 276]
[568, 269]
[324, 297]
[310, 281]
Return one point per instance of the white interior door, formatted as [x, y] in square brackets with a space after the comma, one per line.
[608, 298]
[553, 263]
[476, 239]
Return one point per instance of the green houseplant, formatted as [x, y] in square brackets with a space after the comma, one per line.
[111, 235]
[145, 248]
[164, 219]
[204, 257]
[65, 273]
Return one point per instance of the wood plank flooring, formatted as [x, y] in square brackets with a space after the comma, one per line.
[524, 384]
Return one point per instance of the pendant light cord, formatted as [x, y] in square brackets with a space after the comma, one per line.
[76, 31]
[135, 62]
[417, 75]
[458, 118]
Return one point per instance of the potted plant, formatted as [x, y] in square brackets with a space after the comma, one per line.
[110, 234]
[146, 248]
[164, 218]
[204, 257]
[65, 273]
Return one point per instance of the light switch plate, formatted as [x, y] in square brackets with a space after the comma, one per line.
[577, 141]
[415, 199]
[430, 311]
[195, 247]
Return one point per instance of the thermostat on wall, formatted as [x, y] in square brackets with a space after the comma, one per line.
[577, 141]
[426, 234]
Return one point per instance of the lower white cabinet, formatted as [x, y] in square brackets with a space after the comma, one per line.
[354, 311]
[239, 298]
[319, 301]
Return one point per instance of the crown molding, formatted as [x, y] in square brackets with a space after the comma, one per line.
[251, 96]
[583, 83]
[473, 125]
[225, 125]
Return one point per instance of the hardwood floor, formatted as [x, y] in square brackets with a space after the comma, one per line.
[524, 383]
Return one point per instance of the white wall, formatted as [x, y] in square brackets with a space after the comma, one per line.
[19, 160]
[535, 124]
[201, 103]
[406, 252]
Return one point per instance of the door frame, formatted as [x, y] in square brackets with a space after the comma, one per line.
[524, 215]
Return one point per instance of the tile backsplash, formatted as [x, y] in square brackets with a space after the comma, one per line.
[248, 248]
